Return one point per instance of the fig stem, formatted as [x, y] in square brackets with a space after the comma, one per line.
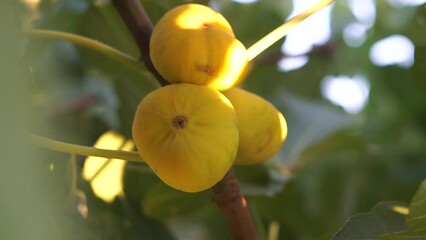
[278, 33]
[228, 197]
[83, 150]
[137, 21]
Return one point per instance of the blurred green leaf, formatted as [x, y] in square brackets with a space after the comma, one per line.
[107, 102]
[162, 202]
[342, 140]
[157, 8]
[416, 219]
[259, 179]
[137, 180]
[59, 170]
[389, 221]
[115, 34]
[141, 225]
[88, 43]
[383, 218]
[418, 70]
[61, 15]
[308, 122]
[266, 78]
[130, 92]
[113, 31]
[255, 20]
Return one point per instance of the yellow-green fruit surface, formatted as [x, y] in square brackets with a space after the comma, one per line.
[194, 44]
[262, 127]
[187, 134]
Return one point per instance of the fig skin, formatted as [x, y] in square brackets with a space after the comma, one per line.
[262, 128]
[187, 134]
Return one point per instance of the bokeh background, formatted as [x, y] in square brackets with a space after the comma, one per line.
[350, 81]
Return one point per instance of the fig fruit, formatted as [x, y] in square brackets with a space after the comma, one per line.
[262, 128]
[195, 44]
[187, 134]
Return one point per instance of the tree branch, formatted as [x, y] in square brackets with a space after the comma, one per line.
[140, 26]
[226, 193]
[231, 202]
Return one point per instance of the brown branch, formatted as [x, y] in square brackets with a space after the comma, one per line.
[231, 202]
[140, 26]
[226, 193]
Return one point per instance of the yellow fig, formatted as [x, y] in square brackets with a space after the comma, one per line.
[187, 134]
[194, 44]
[262, 128]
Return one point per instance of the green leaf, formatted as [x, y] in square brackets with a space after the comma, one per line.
[162, 202]
[309, 123]
[389, 221]
[254, 21]
[130, 92]
[416, 219]
[137, 180]
[259, 179]
[141, 225]
[418, 70]
[113, 31]
[157, 8]
[345, 140]
[115, 34]
[61, 15]
[385, 217]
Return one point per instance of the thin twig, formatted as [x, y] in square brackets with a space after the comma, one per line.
[282, 30]
[83, 150]
[140, 26]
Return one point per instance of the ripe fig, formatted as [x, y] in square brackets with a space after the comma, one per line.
[194, 44]
[262, 128]
[187, 134]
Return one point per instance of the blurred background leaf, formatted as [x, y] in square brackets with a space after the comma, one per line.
[383, 218]
[389, 220]
[416, 218]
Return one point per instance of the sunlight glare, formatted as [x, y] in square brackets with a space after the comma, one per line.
[245, 1]
[349, 93]
[396, 49]
[51, 167]
[283, 125]
[313, 31]
[364, 11]
[31, 4]
[287, 64]
[354, 34]
[401, 209]
[105, 175]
